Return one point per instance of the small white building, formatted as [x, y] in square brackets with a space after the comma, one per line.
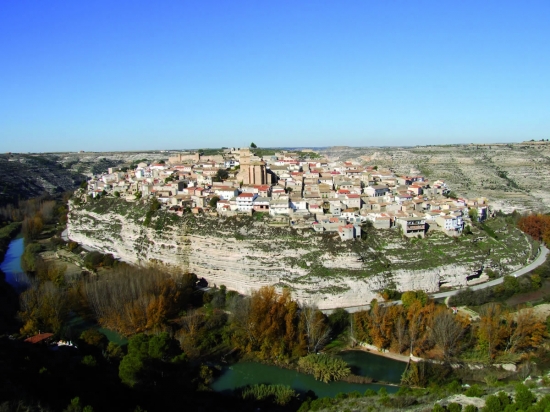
[245, 201]
[279, 207]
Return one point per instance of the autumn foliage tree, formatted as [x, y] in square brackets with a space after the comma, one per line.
[537, 226]
[314, 325]
[131, 300]
[267, 323]
[44, 307]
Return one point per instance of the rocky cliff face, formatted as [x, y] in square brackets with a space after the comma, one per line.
[245, 254]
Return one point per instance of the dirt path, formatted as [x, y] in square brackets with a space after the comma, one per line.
[390, 355]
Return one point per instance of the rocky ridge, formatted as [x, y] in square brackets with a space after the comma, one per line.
[244, 254]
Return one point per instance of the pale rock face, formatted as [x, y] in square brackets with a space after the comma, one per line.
[242, 266]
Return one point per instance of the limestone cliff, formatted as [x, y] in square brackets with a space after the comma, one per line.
[245, 254]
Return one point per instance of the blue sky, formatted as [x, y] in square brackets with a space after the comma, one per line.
[136, 75]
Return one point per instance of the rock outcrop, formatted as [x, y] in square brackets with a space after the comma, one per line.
[245, 255]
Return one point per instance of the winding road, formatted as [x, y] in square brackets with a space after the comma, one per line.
[540, 259]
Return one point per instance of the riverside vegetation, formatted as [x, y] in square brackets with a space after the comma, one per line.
[178, 335]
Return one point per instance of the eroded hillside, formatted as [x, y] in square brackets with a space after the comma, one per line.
[512, 176]
[246, 253]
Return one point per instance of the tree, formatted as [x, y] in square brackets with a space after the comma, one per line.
[472, 213]
[221, 175]
[315, 327]
[44, 307]
[213, 202]
[339, 320]
[267, 323]
[523, 330]
[146, 358]
[537, 226]
[32, 227]
[524, 397]
[253, 145]
[490, 332]
[446, 332]
[401, 334]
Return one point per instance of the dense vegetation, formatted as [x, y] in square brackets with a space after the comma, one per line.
[179, 335]
[425, 329]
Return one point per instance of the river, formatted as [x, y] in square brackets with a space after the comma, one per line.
[11, 265]
[362, 363]
[16, 277]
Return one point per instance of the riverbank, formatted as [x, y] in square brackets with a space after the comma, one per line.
[375, 351]
[7, 234]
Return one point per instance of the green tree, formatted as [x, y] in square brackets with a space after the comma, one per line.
[221, 175]
[253, 145]
[76, 406]
[473, 215]
[93, 337]
[214, 201]
[524, 397]
[147, 358]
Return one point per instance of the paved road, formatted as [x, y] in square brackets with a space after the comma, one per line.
[541, 258]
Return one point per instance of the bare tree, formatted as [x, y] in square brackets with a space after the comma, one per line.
[401, 333]
[188, 334]
[415, 324]
[490, 331]
[315, 327]
[446, 332]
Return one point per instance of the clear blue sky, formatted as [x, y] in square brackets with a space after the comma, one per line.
[133, 75]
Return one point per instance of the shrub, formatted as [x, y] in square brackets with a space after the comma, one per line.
[89, 360]
[454, 407]
[281, 394]
[474, 391]
[323, 367]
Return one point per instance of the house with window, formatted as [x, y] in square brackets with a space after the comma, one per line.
[226, 193]
[261, 204]
[450, 224]
[279, 207]
[412, 226]
[376, 190]
[245, 201]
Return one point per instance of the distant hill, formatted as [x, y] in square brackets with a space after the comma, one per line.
[25, 176]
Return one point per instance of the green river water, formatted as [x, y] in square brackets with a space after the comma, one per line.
[362, 363]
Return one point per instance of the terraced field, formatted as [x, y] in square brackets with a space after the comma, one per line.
[512, 176]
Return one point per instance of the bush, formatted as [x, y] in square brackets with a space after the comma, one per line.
[93, 337]
[454, 407]
[474, 391]
[89, 360]
[323, 367]
[93, 260]
[281, 394]
[524, 397]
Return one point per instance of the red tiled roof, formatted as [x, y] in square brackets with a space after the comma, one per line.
[39, 338]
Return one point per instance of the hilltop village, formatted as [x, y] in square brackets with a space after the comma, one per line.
[300, 189]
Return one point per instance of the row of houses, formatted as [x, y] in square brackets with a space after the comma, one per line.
[327, 196]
